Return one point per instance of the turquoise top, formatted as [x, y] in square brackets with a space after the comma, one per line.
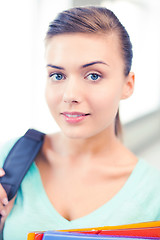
[137, 201]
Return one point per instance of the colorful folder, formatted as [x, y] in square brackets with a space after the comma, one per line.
[147, 230]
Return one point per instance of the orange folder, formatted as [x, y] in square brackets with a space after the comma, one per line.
[126, 226]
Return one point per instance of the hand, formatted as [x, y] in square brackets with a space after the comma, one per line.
[5, 206]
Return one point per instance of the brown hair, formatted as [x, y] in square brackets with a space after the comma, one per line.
[94, 20]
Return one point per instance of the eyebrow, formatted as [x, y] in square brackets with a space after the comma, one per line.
[54, 66]
[83, 66]
[92, 63]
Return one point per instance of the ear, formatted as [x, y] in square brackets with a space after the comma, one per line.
[128, 86]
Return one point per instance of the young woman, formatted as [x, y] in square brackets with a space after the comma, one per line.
[83, 175]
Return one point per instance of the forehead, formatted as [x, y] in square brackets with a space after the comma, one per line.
[83, 47]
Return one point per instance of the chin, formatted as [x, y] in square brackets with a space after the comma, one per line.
[79, 135]
[74, 133]
[75, 136]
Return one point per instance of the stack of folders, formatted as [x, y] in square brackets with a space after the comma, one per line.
[137, 231]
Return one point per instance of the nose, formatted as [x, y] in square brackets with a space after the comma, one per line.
[72, 92]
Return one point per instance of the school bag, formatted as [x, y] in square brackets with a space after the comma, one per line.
[19, 160]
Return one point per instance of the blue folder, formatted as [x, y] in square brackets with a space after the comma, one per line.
[52, 235]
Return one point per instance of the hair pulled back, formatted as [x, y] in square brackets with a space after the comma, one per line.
[94, 20]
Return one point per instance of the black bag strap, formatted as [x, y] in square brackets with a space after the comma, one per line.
[19, 160]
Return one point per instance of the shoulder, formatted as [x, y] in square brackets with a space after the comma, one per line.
[5, 149]
[147, 173]
[150, 172]
[146, 181]
[52, 145]
[149, 189]
[143, 190]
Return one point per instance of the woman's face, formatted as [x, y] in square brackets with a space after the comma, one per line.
[85, 82]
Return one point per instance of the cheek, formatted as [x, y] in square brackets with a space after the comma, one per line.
[106, 103]
[52, 98]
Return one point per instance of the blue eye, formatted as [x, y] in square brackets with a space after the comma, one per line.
[56, 76]
[93, 76]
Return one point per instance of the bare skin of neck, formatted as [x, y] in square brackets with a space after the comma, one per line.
[105, 148]
[70, 169]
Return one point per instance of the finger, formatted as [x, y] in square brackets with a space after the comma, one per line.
[2, 220]
[2, 211]
[9, 206]
[3, 196]
[2, 172]
[5, 212]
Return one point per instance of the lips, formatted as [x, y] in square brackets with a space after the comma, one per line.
[74, 114]
[74, 117]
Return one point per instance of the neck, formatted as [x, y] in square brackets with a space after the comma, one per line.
[92, 146]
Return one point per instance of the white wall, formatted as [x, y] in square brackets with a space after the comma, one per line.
[23, 24]
[16, 26]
